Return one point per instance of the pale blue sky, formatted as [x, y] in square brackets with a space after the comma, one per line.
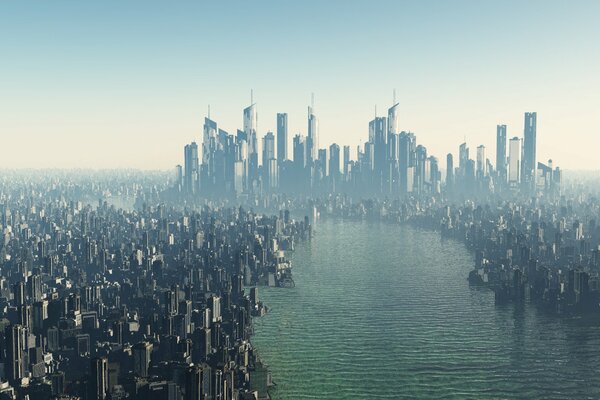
[127, 83]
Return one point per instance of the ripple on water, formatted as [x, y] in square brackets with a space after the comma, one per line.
[385, 312]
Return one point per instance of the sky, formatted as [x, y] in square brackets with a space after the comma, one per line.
[126, 84]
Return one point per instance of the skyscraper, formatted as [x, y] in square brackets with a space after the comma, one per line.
[282, 137]
[191, 167]
[481, 162]
[393, 120]
[378, 136]
[250, 127]
[528, 169]
[334, 164]
[141, 358]
[300, 152]
[268, 148]
[346, 161]
[99, 378]
[15, 344]
[269, 161]
[406, 159]
[501, 152]
[312, 141]
[514, 162]
[449, 171]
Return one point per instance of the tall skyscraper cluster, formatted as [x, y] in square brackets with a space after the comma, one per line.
[390, 162]
[516, 169]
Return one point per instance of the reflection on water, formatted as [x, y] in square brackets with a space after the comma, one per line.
[385, 311]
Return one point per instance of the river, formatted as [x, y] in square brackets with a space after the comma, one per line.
[383, 311]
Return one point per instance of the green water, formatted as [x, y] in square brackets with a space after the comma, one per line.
[382, 311]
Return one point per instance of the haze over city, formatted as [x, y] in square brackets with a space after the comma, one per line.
[124, 84]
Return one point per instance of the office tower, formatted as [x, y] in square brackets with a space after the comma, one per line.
[481, 162]
[191, 167]
[15, 356]
[179, 176]
[195, 383]
[369, 158]
[463, 157]
[501, 152]
[209, 146]
[142, 353]
[312, 140]
[321, 164]
[346, 161]
[406, 159]
[34, 287]
[378, 137]
[99, 378]
[300, 152]
[449, 171]
[250, 129]
[272, 174]
[434, 174]
[420, 168]
[282, 137]
[239, 176]
[393, 120]
[334, 165]
[214, 302]
[514, 162]
[19, 293]
[528, 169]
[268, 148]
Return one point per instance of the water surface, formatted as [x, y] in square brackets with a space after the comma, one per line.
[383, 311]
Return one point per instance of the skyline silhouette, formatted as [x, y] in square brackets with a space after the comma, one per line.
[124, 84]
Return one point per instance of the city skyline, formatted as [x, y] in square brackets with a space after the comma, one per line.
[80, 92]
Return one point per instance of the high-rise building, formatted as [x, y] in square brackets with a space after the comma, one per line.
[250, 129]
[378, 137]
[346, 161]
[142, 353]
[15, 345]
[282, 137]
[195, 387]
[420, 168]
[99, 378]
[501, 152]
[334, 164]
[528, 164]
[268, 148]
[406, 160]
[300, 152]
[481, 162]
[463, 157]
[393, 120]
[191, 167]
[312, 140]
[449, 171]
[514, 162]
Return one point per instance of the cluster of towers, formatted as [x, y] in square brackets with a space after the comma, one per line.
[516, 169]
[390, 162]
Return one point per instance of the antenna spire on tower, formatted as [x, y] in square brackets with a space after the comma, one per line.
[251, 96]
[394, 97]
[209, 111]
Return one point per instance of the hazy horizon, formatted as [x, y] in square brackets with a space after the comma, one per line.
[117, 85]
